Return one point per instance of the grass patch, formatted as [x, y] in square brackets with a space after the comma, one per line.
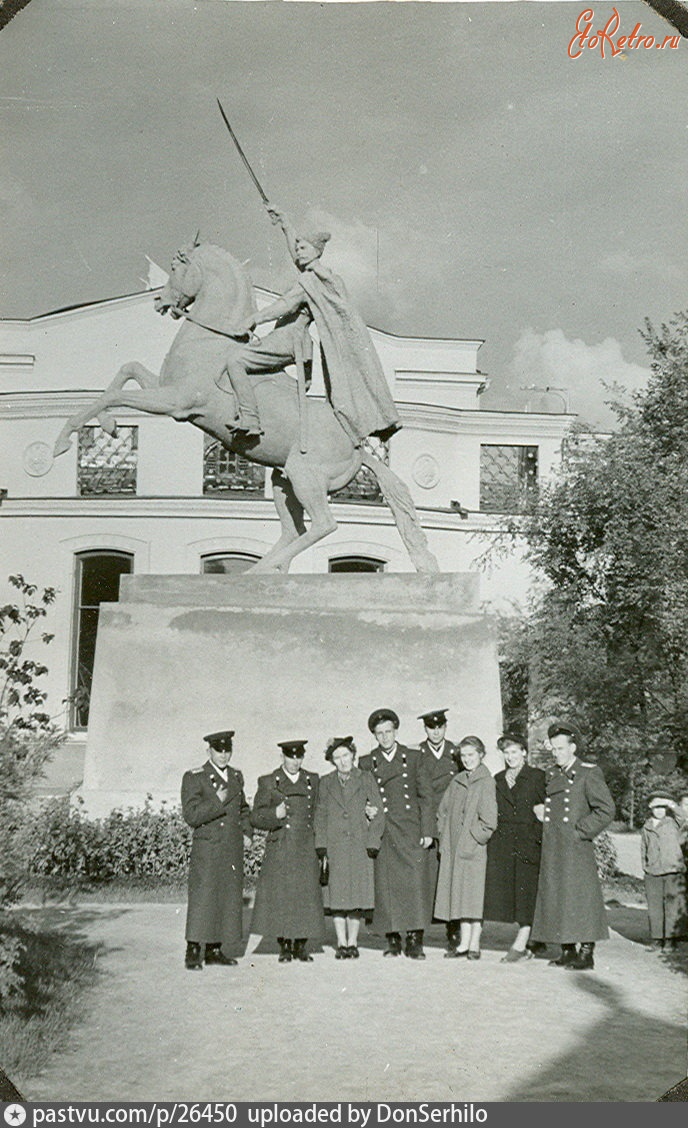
[58, 968]
[130, 890]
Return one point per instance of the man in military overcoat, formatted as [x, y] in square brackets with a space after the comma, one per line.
[288, 901]
[214, 804]
[403, 889]
[569, 909]
[440, 758]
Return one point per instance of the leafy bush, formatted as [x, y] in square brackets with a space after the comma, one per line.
[676, 783]
[605, 856]
[152, 844]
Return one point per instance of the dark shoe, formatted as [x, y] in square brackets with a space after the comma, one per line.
[568, 953]
[472, 954]
[193, 961]
[414, 945]
[215, 955]
[536, 947]
[455, 954]
[583, 960]
[285, 955]
[453, 931]
[300, 952]
[353, 952]
[342, 952]
[393, 944]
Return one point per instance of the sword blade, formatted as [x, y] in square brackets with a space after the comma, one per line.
[242, 154]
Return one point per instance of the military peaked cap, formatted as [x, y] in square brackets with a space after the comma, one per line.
[293, 747]
[434, 719]
[379, 715]
[223, 737]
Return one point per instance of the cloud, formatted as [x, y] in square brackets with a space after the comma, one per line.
[590, 375]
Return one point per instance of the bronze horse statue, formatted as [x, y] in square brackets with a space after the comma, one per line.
[212, 292]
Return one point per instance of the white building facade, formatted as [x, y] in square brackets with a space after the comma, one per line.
[161, 498]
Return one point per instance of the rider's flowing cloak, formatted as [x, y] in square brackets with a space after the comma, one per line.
[355, 383]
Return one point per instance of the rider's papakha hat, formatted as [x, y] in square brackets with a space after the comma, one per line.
[318, 239]
[219, 739]
[436, 718]
[379, 715]
[293, 747]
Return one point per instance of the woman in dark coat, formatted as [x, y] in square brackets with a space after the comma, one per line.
[466, 818]
[348, 829]
[513, 852]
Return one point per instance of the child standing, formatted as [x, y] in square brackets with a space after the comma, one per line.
[664, 870]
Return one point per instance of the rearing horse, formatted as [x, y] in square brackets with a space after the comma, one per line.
[210, 289]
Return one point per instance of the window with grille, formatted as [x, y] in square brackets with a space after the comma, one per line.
[508, 478]
[364, 487]
[225, 472]
[106, 464]
[355, 564]
[97, 581]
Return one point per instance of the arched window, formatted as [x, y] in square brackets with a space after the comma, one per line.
[227, 562]
[355, 564]
[97, 581]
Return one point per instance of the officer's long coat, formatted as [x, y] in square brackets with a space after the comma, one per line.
[513, 851]
[466, 818]
[288, 900]
[569, 907]
[216, 869]
[402, 877]
[341, 828]
[441, 771]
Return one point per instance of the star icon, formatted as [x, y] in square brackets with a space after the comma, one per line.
[14, 1114]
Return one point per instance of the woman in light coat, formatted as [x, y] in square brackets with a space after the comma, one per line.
[466, 818]
[349, 821]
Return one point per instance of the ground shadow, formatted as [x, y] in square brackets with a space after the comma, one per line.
[625, 1056]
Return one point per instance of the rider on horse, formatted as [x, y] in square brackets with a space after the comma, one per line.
[355, 383]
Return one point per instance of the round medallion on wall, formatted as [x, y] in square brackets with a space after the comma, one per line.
[38, 459]
[426, 472]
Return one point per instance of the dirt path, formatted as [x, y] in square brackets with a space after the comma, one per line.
[372, 1029]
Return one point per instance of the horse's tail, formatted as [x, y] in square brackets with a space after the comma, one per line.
[398, 497]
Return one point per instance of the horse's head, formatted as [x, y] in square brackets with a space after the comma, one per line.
[213, 279]
[184, 282]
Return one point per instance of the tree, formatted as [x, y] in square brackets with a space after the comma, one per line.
[27, 739]
[607, 637]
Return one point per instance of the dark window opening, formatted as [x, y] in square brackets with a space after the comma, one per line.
[97, 581]
[227, 563]
[356, 564]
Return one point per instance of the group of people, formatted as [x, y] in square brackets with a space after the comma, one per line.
[405, 835]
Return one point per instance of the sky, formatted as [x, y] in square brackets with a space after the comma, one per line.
[477, 181]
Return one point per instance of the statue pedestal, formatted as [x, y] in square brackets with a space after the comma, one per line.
[278, 658]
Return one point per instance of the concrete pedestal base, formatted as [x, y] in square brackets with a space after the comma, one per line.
[277, 658]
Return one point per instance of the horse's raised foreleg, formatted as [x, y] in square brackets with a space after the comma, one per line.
[309, 484]
[130, 371]
[290, 513]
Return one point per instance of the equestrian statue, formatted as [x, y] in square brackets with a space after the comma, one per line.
[231, 384]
